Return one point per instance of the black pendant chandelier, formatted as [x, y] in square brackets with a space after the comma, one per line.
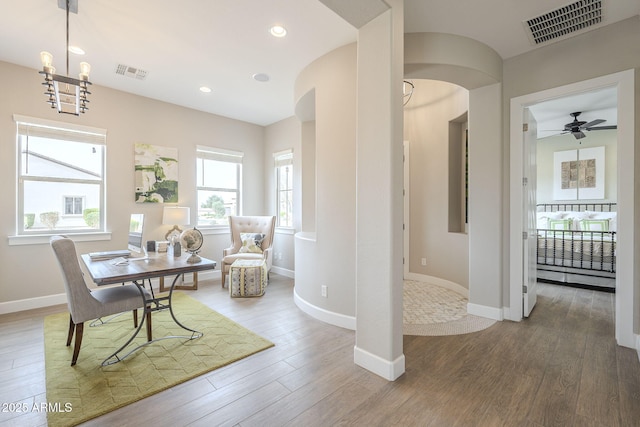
[66, 94]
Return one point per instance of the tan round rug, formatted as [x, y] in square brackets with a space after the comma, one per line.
[431, 310]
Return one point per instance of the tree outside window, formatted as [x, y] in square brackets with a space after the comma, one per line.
[218, 184]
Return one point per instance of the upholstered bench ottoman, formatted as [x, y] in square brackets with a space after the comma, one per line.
[248, 278]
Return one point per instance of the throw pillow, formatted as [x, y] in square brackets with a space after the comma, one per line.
[251, 243]
[594, 224]
[560, 224]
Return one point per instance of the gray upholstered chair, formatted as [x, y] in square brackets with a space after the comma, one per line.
[245, 225]
[85, 304]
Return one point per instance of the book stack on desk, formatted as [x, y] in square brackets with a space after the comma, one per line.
[98, 256]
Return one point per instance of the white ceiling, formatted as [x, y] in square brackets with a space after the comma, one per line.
[222, 43]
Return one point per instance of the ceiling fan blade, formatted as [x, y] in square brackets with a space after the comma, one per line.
[592, 123]
[578, 135]
[602, 127]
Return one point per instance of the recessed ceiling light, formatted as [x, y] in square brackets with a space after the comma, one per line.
[278, 31]
[205, 89]
[261, 77]
[77, 50]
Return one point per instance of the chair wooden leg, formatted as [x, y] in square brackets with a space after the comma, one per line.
[135, 318]
[223, 276]
[78, 343]
[149, 334]
[72, 327]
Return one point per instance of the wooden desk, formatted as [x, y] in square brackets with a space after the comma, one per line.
[193, 287]
[104, 272]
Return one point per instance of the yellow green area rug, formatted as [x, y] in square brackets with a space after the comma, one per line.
[88, 390]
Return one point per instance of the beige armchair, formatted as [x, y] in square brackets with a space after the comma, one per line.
[263, 226]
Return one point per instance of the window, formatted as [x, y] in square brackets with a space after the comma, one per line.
[60, 177]
[284, 187]
[219, 185]
[73, 205]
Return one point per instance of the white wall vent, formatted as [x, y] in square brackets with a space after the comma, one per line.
[134, 73]
[560, 23]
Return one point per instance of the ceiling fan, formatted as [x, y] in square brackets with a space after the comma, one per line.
[576, 127]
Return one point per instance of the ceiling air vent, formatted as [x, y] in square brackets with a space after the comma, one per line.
[134, 73]
[562, 22]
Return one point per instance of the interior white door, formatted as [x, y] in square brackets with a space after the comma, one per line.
[529, 226]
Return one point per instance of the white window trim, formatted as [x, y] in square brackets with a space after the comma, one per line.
[223, 155]
[42, 239]
[282, 158]
[91, 135]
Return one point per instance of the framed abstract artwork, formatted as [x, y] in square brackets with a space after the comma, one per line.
[579, 174]
[156, 174]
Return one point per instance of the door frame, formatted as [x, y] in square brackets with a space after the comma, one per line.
[530, 244]
[406, 206]
[625, 275]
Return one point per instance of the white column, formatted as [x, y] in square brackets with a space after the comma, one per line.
[379, 194]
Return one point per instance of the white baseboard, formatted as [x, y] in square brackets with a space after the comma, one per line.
[284, 272]
[32, 303]
[57, 299]
[506, 313]
[485, 311]
[387, 369]
[443, 283]
[330, 317]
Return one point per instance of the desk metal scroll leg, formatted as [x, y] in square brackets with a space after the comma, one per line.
[194, 334]
[114, 357]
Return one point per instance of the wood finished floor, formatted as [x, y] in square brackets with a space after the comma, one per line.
[560, 367]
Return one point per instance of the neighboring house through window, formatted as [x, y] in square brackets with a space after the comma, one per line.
[284, 187]
[60, 177]
[219, 185]
[73, 205]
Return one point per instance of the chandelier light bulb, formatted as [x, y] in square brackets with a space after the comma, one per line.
[85, 68]
[47, 61]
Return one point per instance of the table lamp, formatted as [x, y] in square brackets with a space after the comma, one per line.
[176, 216]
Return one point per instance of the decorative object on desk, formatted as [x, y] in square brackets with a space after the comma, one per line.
[93, 390]
[156, 174]
[151, 245]
[192, 240]
[66, 94]
[176, 216]
[162, 246]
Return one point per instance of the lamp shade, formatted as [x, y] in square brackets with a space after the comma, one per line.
[176, 215]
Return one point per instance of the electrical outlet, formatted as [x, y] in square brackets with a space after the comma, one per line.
[324, 291]
[423, 261]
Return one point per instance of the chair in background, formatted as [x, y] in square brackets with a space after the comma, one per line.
[85, 304]
[251, 238]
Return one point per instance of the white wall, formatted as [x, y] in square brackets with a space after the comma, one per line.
[333, 78]
[544, 157]
[426, 127]
[128, 119]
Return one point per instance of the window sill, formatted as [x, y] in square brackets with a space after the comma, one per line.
[211, 230]
[41, 239]
[285, 230]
